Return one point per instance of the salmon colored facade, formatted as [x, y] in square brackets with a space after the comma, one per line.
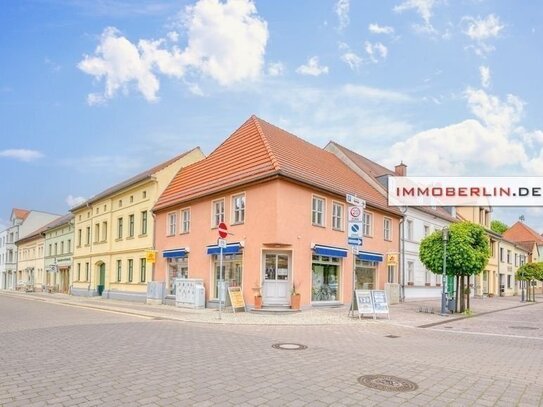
[287, 228]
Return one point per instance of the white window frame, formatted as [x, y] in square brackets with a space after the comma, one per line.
[241, 212]
[171, 224]
[315, 211]
[185, 220]
[389, 229]
[427, 277]
[217, 213]
[426, 230]
[409, 229]
[338, 220]
[411, 272]
[367, 228]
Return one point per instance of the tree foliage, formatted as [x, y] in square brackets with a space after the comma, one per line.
[468, 250]
[498, 226]
[530, 271]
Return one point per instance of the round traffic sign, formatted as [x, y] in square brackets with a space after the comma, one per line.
[355, 228]
[223, 230]
[355, 211]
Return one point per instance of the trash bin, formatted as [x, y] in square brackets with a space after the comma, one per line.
[502, 290]
[100, 289]
[451, 305]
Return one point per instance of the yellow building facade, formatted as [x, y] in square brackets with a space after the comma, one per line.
[114, 232]
[31, 275]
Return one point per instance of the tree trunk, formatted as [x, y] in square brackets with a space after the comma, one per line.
[469, 292]
[456, 294]
[463, 293]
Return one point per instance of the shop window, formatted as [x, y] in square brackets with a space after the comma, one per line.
[177, 268]
[326, 273]
[232, 271]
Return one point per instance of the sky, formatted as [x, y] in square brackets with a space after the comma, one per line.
[93, 92]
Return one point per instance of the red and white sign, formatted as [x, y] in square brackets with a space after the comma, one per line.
[356, 214]
[223, 230]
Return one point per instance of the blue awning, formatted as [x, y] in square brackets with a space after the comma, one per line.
[169, 254]
[370, 256]
[231, 248]
[330, 251]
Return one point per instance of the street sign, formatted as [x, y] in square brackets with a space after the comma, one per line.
[355, 250]
[355, 229]
[223, 230]
[356, 214]
[356, 201]
[354, 241]
[222, 243]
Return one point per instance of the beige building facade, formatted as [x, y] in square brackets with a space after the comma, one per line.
[114, 232]
[31, 275]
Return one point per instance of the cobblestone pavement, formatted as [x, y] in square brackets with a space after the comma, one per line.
[65, 356]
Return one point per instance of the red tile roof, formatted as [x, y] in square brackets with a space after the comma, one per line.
[520, 232]
[132, 181]
[20, 213]
[376, 170]
[259, 150]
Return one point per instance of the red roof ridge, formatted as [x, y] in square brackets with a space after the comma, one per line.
[264, 139]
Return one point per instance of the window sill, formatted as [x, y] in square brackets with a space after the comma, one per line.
[170, 235]
[237, 223]
[143, 235]
[184, 233]
[130, 238]
[319, 226]
[338, 230]
[119, 239]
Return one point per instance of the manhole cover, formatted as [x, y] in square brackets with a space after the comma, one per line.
[391, 336]
[289, 346]
[387, 383]
[524, 327]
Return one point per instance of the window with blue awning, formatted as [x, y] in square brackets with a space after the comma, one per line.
[369, 256]
[330, 251]
[231, 248]
[173, 253]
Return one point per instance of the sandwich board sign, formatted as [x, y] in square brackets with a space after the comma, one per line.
[380, 303]
[364, 302]
[236, 299]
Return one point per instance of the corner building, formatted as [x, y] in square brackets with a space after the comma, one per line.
[283, 200]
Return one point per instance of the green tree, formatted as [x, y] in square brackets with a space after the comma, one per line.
[529, 273]
[468, 251]
[498, 226]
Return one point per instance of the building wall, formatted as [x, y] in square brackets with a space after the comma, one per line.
[278, 218]
[58, 247]
[106, 250]
[419, 283]
[30, 267]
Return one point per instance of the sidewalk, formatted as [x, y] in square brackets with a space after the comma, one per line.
[404, 314]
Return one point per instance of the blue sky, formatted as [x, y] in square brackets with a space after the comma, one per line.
[92, 92]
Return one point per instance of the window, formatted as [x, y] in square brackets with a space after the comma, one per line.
[509, 281]
[218, 212]
[78, 271]
[131, 198]
[119, 270]
[78, 237]
[439, 279]
[238, 206]
[178, 267]
[326, 278]
[50, 249]
[88, 235]
[130, 225]
[144, 223]
[172, 223]
[62, 247]
[69, 245]
[119, 228]
[143, 269]
[502, 255]
[317, 211]
[144, 194]
[391, 272]
[409, 230]
[410, 273]
[130, 270]
[368, 224]
[87, 271]
[120, 203]
[96, 232]
[105, 208]
[426, 230]
[492, 249]
[56, 249]
[516, 259]
[387, 228]
[337, 216]
[185, 218]
[509, 256]
[428, 279]
[104, 231]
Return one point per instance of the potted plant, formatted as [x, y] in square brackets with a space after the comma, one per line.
[258, 296]
[294, 298]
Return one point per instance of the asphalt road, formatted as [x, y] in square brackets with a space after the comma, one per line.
[60, 355]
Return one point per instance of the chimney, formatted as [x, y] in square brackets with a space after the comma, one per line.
[400, 169]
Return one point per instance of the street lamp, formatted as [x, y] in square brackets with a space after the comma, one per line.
[445, 238]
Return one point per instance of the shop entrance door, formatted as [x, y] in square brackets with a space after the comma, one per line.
[276, 286]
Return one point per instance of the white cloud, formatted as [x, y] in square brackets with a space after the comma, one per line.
[423, 9]
[481, 30]
[21, 154]
[366, 92]
[226, 41]
[312, 68]
[72, 201]
[478, 146]
[276, 69]
[353, 60]
[375, 51]
[342, 11]
[378, 29]
[484, 71]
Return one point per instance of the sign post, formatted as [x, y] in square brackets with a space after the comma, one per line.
[223, 232]
[355, 234]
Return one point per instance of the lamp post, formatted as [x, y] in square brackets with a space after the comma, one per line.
[445, 238]
[522, 284]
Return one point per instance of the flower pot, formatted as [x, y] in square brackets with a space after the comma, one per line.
[258, 302]
[295, 301]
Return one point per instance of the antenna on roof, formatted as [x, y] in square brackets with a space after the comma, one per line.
[522, 218]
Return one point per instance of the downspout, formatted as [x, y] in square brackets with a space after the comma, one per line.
[402, 260]
[499, 261]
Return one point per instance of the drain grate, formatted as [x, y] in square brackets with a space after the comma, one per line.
[289, 346]
[391, 336]
[524, 327]
[387, 383]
